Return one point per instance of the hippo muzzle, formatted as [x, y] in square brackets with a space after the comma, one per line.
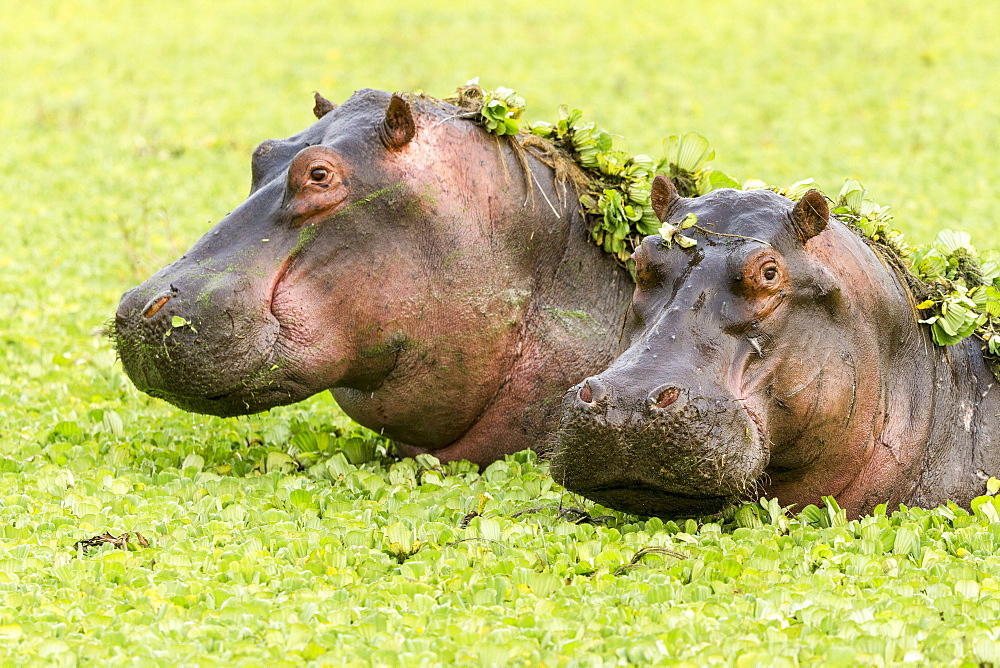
[210, 340]
[674, 450]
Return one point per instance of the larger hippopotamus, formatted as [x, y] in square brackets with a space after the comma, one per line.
[439, 279]
[781, 356]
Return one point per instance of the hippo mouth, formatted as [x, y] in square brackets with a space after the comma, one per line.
[243, 399]
[694, 458]
[650, 500]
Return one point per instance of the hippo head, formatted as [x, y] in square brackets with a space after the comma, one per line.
[368, 249]
[741, 364]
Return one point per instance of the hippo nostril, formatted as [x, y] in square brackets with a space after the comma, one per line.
[667, 397]
[592, 392]
[154, 306]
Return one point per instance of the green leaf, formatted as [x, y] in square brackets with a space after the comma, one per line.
[797, 190]
[851, 196]
[717, 180]
[951, 241]
[992, 486]
[280, 462]
[693, 152]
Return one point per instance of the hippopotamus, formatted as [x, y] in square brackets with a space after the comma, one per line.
[438, 279]
[780, 356]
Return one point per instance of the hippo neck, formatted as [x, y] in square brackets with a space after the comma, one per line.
[576, 299]
[963, 444]
[942, 424]
[938, 437]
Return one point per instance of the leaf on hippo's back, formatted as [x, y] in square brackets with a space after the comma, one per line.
[929, 264]
[993, 345]
[939, 334]
[177, 321]
[957, 319]
[753, 184]
[542, 129]
[797, 190]
[852, 194]
[692, 151]
[685, 242]
[990, 270]
[981, 297]
[951, 241]
[713, 179]
[873, 211]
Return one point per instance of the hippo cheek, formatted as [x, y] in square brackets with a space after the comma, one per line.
[310, 345]
[694, 456]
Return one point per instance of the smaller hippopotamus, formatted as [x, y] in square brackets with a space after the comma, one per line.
[779, 356]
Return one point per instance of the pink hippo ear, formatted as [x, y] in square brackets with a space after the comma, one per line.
[397, 127]
[810, 215]
[323, 106]
[663, 196]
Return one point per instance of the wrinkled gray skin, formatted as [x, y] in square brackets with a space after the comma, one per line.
[395, 254]
[785, 361]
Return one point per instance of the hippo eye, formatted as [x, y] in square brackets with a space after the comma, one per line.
[761, 274]
[319, 174]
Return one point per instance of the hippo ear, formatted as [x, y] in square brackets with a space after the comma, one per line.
[397, 127]
[810, 215]
[663, 196]
[323, 106]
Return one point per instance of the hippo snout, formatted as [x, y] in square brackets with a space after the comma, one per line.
[196, 341]
[672, 449]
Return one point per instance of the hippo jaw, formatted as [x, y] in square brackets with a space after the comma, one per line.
[695, 455]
